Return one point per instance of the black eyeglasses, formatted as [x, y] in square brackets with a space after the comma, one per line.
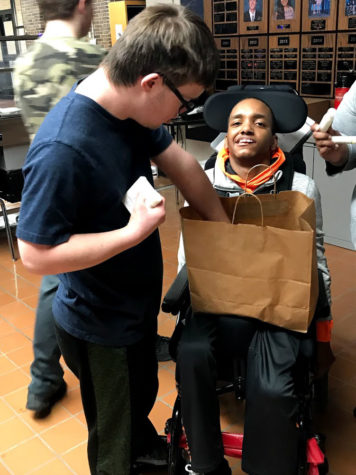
[187, 106]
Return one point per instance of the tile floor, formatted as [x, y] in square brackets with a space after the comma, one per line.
[57, 445]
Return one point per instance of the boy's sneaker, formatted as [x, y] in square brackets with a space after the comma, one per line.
[43, 407]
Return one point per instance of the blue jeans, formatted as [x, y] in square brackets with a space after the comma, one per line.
[46, 371]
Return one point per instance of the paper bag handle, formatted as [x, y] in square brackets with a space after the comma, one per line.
[239, 198]
[266, 166]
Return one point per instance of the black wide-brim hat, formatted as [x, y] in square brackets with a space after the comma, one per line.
[289, 110]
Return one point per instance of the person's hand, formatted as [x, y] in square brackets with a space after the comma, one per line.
[324, 358]
[336, 154]
[145, 219]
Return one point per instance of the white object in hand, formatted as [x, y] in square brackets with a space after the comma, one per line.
[327, 120]
[343, 138]
[142, 187]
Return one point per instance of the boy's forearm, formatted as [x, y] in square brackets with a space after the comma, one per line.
[81, 251]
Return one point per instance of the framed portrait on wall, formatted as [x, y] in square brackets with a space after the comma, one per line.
[319, 15]
[253, 16]
[319, 8]
[284, 16]
[253, 10]
[284, 9]
[347, 15]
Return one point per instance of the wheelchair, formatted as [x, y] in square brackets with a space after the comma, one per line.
[311, 458]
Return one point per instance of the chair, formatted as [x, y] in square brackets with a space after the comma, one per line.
[11, 184]
[311, 459]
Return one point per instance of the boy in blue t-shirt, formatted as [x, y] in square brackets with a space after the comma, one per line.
[93, 145]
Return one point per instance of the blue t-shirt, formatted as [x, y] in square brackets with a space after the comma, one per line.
[79, 166]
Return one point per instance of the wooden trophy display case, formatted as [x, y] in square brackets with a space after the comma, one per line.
[284, 60]
[222, 17]
[229, 63]
[284, 16]
[253, 17]
[345, 54]
[253, 60]
[347, 15]
[317, 65]
[319, 15]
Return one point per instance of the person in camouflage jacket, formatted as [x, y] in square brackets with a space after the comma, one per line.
[43, 75]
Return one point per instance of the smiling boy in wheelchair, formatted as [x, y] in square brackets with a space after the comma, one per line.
[251, 118]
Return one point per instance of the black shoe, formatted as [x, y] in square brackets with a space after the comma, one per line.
[156, 457]
[162, 348]
[42, 408]
[223, 469]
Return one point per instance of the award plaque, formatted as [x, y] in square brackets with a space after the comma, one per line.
[345, 54]
[222, 17]
[283, 60]
[253, 60]
[228, 74]
[317, 60]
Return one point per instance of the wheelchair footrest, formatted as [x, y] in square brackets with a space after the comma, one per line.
[232, 443]
[315, 456]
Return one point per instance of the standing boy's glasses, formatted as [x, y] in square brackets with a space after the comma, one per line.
[187, 106]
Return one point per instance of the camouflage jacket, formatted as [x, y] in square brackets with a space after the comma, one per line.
[46, 73]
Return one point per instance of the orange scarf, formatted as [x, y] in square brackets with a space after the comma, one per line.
[277, 159]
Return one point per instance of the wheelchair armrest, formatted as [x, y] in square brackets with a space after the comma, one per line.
[178, 293]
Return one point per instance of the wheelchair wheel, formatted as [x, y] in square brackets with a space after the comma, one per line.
[174, 430]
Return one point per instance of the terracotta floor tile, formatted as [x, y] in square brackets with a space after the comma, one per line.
[58, 415]
[17, 399]
[169, 366]
[12, 381]
[5, 329]
[18, 314]
[19, 288]
[159, 415]
[5, 298]
[54, 467]
[6, 365]
[13, 432]
[77, 460]
[32, 452]
[170, 398]
[166, 327]
[28, 331]
[21, 356]
[13, 341]
[166, 382]
[81, 417]
[74, 431]
[5, 411]
[4, 470]
[32, 301]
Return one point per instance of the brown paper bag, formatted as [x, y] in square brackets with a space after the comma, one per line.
[268, 271]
